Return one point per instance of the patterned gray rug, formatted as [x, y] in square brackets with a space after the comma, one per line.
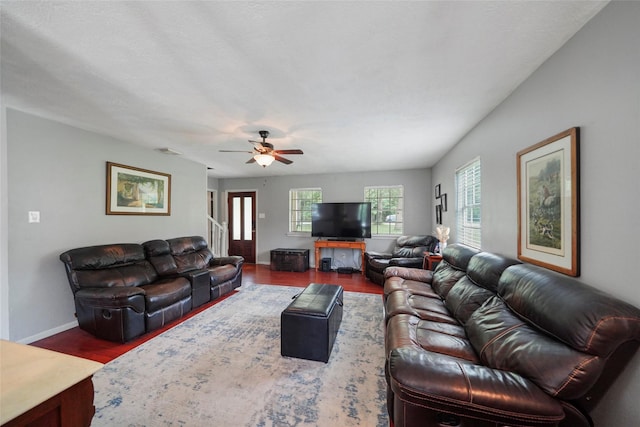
[223, 368]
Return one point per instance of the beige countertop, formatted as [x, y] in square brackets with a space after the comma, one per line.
[31, 375]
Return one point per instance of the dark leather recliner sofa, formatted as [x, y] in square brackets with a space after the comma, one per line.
[487, 341]
[408, 251]
[186, 255]
[124, 290]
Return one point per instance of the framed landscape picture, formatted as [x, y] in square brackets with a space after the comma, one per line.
[548, 203]
[135, 191]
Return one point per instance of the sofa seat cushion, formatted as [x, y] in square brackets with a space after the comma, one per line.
[443, 338]
[166, 292]
[422, 307]
[119, 297]
[394, 284]
[222, 273]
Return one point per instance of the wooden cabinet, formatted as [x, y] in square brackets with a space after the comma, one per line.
[44, 388]
[290, 259]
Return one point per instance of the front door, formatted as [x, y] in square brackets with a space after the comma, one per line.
[242, 225]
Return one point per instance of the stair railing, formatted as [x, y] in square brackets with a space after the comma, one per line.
[217, 237]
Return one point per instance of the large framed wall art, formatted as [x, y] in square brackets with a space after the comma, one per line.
[548, 203]
[135, 191]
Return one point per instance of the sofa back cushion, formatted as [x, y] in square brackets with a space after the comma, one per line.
[551, 329]
[478, 285]
[159, 255]
[190, 253]
[453, 267]
[413, 246]
[107, 266]
[579, 315]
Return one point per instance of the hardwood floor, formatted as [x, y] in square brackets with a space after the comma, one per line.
[79, 343]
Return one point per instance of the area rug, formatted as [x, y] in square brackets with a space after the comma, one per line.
[223, 368]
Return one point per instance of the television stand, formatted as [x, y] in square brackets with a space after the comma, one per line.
[319, 244]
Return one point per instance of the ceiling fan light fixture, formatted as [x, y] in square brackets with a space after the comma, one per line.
[263, 160]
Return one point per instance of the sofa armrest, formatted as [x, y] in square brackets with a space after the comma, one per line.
[417, 274]
[114, 297]
[447, 384]
[415, 262]
[377, 255]
[234, 260]
[196, 277]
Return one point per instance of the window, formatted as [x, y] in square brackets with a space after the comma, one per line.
[386, 209]
[300, 201]
[468, 204]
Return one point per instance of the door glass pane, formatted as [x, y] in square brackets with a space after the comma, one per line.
[247, 218]
[237, 209]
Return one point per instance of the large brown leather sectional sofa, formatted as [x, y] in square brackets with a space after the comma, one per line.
[485, 340]
[124, 290]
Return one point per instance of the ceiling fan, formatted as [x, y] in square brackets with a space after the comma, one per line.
[264, 153]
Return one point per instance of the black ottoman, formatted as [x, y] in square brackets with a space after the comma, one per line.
[309, 324]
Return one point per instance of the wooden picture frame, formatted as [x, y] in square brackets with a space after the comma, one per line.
[548, 203]
[438, 214]
[443, 202]
[136, 191]
[437, 191]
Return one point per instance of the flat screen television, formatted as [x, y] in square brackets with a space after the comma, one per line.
[345, 221]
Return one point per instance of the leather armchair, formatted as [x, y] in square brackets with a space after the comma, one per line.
[408, 251]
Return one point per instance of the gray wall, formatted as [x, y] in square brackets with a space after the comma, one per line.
[592, 82]
[273, 201]
[60, 171]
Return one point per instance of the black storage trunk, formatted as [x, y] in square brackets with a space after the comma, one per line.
[310, 324]
[290, 259]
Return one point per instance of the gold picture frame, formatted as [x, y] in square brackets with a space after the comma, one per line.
[136, 191]
[548, 203]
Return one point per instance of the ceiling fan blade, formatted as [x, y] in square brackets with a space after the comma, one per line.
[257, 144]
[282, 159]
[251, 160]
[235, 151]
[293, 151]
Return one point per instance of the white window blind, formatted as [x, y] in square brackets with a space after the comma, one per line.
[300, 201]
[468, 204]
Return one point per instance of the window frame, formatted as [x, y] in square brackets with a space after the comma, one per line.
[301, 210]
[399, 212]
[469, 203]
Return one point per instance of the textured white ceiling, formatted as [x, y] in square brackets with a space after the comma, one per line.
[358, 86]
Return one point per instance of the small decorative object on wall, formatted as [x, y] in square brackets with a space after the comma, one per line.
[135, 191]
[443, 202]
[548, 203]
[438, 214]
[437, 191]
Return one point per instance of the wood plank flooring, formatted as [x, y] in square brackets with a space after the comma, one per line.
[79, 343]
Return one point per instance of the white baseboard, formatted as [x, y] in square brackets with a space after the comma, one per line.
[48, 333]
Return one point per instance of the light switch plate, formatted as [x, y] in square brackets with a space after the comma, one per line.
[34, 216]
